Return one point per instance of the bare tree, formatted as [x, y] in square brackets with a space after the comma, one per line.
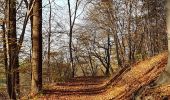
[72, 18]
[49, 41]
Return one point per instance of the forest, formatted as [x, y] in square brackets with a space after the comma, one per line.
[84, 49]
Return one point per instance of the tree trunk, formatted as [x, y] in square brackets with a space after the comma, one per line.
[165, 76]
[129, 32]
[13, 63]
[71, 23]
[36, 84]
[119, 61]
[49, 45]
[5, 52]
[70, 40]
[107, 73]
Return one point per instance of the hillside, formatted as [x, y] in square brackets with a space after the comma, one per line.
[120, 87]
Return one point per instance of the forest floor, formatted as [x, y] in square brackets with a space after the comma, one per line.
[122, 86]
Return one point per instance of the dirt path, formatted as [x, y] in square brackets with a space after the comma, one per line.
[119, 88]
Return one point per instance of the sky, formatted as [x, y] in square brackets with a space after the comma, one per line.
[60, 15]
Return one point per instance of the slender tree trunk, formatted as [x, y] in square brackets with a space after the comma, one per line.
[4, 46]
[129, 33]
[119, 61]
[5, 53]
[31, 22]
[72, 22]
[70, 40]
[49, 45]
[71, 54]
[13, 63]
[108, 56]
[93, 72]
[36, 84]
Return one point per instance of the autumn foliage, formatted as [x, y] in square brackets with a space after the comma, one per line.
[121, 87]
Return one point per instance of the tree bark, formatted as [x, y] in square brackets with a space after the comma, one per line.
[70, 40]
[13, 62]
[165, 76]
[5, 51]
[36, 84]
[107, 73]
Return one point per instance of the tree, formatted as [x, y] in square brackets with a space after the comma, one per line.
[36, 84]
[49, 42]
[13, 63]
[154, 25]
[102, 16]
[71, 25]
[110, 16]
[165, 76]
[12, 46]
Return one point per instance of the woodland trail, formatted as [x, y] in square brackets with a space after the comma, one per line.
[122, 86]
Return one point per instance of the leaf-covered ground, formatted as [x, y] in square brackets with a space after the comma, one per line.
[120, 87]
[159, 92]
